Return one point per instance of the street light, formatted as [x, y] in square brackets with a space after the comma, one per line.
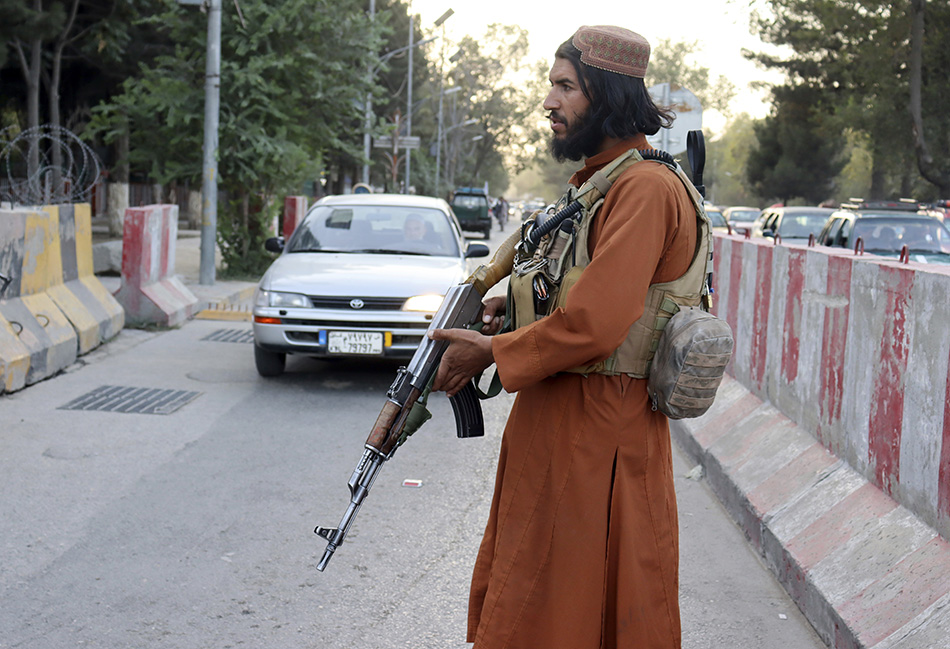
[438, 139]
[440, 22]
[454, 147]
[441, 133]
[368, 115]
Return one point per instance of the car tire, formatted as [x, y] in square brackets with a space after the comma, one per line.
[487, 232]
[269, 363]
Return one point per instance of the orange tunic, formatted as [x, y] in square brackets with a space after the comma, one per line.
[581, 546]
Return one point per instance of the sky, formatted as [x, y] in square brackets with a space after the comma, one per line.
[720, 27]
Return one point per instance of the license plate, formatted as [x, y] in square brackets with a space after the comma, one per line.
[354, 342]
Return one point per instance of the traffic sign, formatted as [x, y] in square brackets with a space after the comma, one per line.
[404, 142]
[688, 112]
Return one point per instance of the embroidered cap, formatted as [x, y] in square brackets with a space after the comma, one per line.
[614, 49]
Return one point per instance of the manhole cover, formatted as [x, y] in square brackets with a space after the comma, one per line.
[144, 401]
[231, 336]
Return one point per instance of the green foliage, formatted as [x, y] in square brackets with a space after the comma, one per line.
[855, 57]
[502, 90]
[726, 160]
[794, 156]
[288, 97]
[241, 236]
[673, 62]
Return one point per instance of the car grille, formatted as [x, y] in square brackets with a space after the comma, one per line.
[369, 303]
[351, 324]
[313, 338]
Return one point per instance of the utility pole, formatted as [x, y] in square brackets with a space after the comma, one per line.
[209, 185]
[409, 101]
[438, 146]
[368, 120]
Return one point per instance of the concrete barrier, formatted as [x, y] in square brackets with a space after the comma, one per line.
[90, 308]
[14, 356]
[295, 208]
[150, 293]
[831, 446]
[865, 570]
[853, 349]
[38, 340]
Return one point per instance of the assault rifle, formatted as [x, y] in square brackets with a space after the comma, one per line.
[400, 415]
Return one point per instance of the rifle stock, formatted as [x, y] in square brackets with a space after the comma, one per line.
[461, 307]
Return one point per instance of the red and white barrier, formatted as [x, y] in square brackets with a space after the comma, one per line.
[150, 293]
[831, 446]
[855, 350]
[865, 570]
[295, 208]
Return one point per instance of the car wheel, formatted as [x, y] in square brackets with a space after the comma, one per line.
[487, 232]
[269, 363]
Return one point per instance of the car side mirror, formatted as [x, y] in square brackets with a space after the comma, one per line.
[476, 249]
[274, 244]
[768, 233]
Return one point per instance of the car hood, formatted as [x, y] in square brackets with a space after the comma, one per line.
[339, 274]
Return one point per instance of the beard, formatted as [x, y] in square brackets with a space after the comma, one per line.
[581, 140]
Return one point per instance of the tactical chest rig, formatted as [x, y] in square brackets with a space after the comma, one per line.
[546, 267]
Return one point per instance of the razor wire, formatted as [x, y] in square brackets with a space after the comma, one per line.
[46, 165]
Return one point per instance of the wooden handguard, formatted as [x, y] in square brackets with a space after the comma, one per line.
[498, 268]
[387, 416]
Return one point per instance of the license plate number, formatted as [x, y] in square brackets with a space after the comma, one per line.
[354, 342]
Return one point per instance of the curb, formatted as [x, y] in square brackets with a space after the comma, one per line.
[864, 570]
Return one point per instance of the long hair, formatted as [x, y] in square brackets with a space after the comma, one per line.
[620, 103]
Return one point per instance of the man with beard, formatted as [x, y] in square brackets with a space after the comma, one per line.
[581, 546]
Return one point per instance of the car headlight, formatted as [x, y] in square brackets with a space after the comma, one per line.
[427, 303]
[282, 300]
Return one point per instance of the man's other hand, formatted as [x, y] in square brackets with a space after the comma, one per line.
[469, 353]
[493, 315]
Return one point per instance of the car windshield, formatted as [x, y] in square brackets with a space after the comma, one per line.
[716, 218]
[375, 229]
[891, 235]
[743, 215]
[802, 224]
[469, 201]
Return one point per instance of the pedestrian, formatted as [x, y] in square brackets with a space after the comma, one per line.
[501, 212]
[581, 547]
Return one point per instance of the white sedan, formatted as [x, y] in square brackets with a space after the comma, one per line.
[361, 276]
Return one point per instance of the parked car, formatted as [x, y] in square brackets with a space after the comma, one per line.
[889, 229]
[361, 276]
[716, 218]
[471, 207]
[923, 238]
[532, 206]
[741, 218]
[791, 223]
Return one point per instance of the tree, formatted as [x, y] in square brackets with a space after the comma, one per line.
[859, 54]
[501, 90]
[670, 62]
[289, 100]
[795, 157]
[937, 58]
[726, 161]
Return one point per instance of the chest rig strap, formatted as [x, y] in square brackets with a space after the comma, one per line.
[540, 259]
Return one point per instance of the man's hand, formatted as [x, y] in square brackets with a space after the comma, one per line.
[493, 315]
[469, 353]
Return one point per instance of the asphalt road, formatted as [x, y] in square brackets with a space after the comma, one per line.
[194, 529]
